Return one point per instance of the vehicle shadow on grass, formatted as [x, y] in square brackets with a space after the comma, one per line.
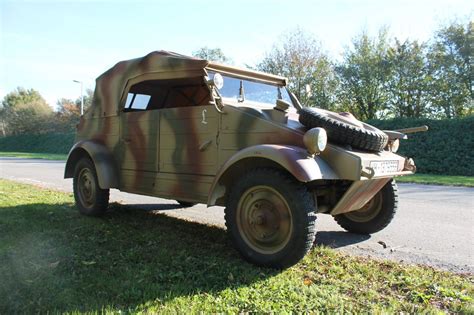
[336, 239]
[54, 259]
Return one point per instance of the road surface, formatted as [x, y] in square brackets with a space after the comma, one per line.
[433, 226]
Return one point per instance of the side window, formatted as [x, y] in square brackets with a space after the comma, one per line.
[137, 101]
[171, 93]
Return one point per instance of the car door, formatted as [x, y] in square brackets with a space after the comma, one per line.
[188, 140]
[139, 138]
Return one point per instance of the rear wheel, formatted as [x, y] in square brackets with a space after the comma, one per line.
[270, 218]
[90, 199]
[375, 215]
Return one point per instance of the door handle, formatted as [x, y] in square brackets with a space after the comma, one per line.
[205, 145]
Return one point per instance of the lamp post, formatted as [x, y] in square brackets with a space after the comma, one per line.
[82, 96]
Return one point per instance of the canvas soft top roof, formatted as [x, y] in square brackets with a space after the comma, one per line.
[158, 65]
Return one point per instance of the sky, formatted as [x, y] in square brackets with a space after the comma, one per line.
[45, 45]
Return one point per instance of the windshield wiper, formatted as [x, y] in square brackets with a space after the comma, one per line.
[241, 98]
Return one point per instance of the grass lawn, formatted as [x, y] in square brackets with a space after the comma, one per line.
[45, 156]
[430, 179]
[130, 260]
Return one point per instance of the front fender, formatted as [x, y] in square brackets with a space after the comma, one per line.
[104, 162]
[296, 160]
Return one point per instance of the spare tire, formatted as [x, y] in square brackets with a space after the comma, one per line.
[344, 129]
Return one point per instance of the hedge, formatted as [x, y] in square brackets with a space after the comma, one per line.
[59, 143]
[446, 148]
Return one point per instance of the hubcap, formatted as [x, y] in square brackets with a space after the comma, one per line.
[264, 219]
[86, 188]
[369, 211]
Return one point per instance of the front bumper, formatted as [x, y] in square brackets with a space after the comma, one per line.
[369, 172]
[358, 166]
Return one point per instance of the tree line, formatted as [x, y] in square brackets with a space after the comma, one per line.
[25, 111]
[377, 77]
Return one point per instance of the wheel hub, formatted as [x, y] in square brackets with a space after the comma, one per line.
[264, 219]
[86, 187]
[369, 211]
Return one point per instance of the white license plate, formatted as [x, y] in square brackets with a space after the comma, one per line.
[384, 167]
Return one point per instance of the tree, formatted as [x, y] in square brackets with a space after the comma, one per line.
[363, 76]
[68, 112]
[212, 54]
[298, 57]
[450, 65]
[408, 80]
[88, 96]
[67, 115]
[24, 111]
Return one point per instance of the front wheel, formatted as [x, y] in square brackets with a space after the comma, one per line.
[90, 199]
[270, 218]
[375, 215]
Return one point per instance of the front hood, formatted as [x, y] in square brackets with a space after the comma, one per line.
[288, 119]
[253, 125]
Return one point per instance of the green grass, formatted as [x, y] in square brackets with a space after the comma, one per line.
[430, 179]
[45, 156]
[130, 260]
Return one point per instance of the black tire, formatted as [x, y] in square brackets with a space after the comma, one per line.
[185, 204]
[343, 130]
[90, 199]
[295, 225]
[369, 219]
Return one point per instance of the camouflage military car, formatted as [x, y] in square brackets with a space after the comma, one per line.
[182, 128]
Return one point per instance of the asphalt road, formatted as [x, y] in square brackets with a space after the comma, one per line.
[433, 226]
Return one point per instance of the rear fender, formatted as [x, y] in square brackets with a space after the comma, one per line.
[296, 160]
[104, 162]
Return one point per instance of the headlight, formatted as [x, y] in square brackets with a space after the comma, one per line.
[394, 145]
[218, 81]
[315, 140]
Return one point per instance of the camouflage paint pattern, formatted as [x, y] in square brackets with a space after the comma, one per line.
[358, 195]
[184, 152]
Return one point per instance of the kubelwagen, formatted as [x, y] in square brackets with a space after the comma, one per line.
[182, 128]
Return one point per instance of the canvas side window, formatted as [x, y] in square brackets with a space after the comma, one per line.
[137, 101]
[129, 100]
[140, 101]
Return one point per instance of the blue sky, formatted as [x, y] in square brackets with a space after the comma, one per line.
[46, 44]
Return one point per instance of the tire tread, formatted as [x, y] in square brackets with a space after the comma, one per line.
[301, 244]
[343, 133]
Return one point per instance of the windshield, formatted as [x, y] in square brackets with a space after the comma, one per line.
[252, 91]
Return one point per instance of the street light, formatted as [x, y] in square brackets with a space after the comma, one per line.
[82, 96]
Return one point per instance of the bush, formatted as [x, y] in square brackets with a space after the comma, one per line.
[446, 148]
[59, 143]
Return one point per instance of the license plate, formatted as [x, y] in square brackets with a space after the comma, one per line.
[384, 167]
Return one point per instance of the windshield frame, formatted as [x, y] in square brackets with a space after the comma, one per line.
[281, 89]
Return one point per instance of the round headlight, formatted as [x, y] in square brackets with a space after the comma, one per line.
[218, 81]
[394, 145]
[315, 140]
